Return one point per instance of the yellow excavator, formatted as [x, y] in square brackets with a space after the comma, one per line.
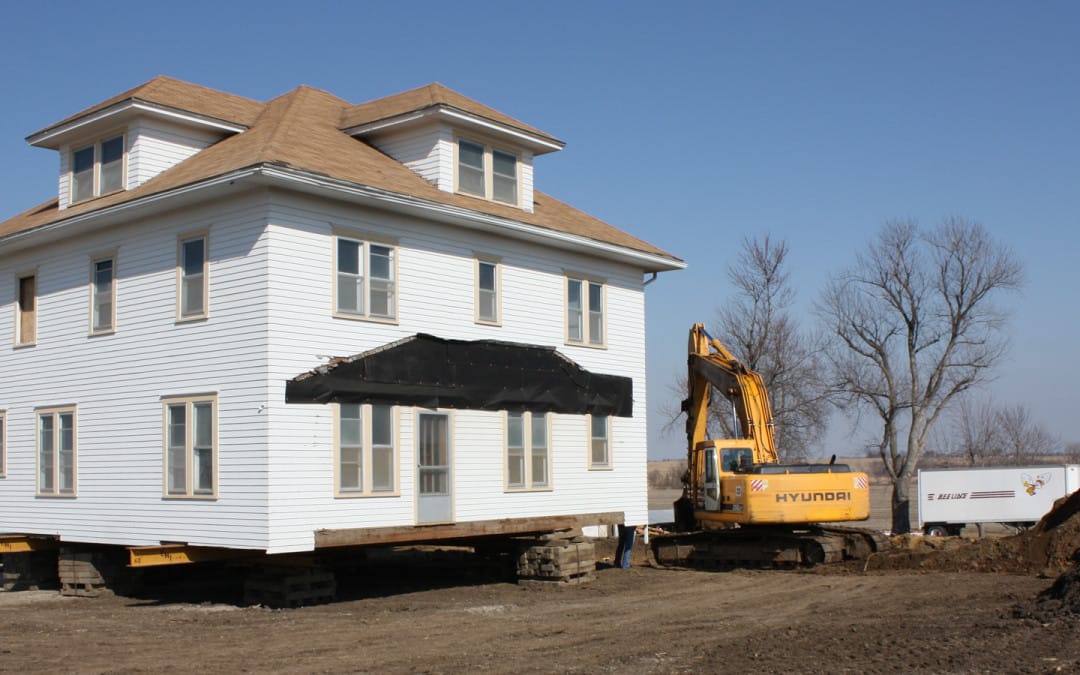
[741, 506]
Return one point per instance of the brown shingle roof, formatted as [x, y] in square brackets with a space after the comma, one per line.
[181, 95]
[425, 97]
[300, 130]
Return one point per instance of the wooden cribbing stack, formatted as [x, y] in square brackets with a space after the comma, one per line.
[556, 559]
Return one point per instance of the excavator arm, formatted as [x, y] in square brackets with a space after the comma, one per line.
[711, 367]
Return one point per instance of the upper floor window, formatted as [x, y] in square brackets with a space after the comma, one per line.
[366, 450]
[365, 280]
[26, 311]
[527, 457]
[487, 292]
[191, 446]
[487, 172]
[192, 294]
[97, 169]
[56, 452]
[102, 295]
[599, 442]
[585, 312]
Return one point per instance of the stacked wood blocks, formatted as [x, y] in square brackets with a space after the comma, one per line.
[565, 560]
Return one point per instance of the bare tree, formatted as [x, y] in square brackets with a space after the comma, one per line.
[975, 433]
[1022, 438]
[915, 325]
[757, 325]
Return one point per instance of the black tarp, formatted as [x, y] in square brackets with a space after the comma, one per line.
[432, 372]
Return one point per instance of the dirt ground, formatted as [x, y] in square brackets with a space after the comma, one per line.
[1007, 604]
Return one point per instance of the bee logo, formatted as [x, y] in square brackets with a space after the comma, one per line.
[1033, 485]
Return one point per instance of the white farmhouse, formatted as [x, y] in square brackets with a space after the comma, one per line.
[306, 323]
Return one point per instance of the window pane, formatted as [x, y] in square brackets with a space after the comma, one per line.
[382, 469]
[350, 298]
[204, 471]
[382, 418]
[350, 474]
[204, 425]
[351, 425]
[487, 276]
[112, 164]
[45, 452]
[486, 293]
[382, 258]
[471, 168]
[515, 437]
[191, 295]
[599, 426]
[539, 467]
[515, 469]
[192, 253]
[539, 430]
[103, 293]
[348, 256]
[574, 326]
[176, 450]
[82, 174]
[504, 177]
[596, 314]
[488, 309]
[599, 452]
[382, 298]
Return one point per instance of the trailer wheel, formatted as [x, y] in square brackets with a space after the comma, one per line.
[936, 530]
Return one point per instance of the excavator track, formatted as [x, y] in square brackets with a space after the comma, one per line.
[764, 547]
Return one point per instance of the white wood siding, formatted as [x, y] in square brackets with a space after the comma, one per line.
[117, 381]
[436, 295]
[155, 146]
[427, 151]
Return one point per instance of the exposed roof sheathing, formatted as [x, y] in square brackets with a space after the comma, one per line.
[301, 131]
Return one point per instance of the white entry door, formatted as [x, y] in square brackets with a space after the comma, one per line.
[434, 494]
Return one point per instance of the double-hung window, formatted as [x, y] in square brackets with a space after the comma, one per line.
[97, 169]
[484, 171]
[599, 442]
[56, 451]
[191, 446]
[192, 277]
[585, 322]
[487, 291]
[365, 279]
[103, 295]
[528, 457]
[366, 450]
[26, 311]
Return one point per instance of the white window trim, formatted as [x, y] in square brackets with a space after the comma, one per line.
[95, 190]
[3, 443]
[181, 239]
[497, 263]
[489, 170]
[586, 336]
[189, 446]
[593, 466]
[94, 260]
[17, 306]
[526, 423]
[364, 240]
[55, 412]
[367, 455]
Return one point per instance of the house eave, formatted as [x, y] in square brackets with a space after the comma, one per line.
[538, 143]
[301, 181]
[56, 136]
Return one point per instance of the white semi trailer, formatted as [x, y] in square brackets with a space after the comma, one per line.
[1017, 496]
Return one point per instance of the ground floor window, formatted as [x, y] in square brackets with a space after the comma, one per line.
[366, 449]
[599, 442]
[528, 460]
[56, 441]
[191, 446]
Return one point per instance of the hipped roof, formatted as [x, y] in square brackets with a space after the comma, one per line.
[301, 131]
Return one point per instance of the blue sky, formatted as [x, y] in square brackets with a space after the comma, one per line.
[688, 124]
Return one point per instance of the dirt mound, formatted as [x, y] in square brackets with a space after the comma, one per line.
[1060, 601]
[1051, 547]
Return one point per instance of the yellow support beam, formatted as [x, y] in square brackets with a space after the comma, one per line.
[181, 554]
[19, 543]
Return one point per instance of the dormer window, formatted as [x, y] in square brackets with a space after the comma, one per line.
[97, 169]
[484, 171]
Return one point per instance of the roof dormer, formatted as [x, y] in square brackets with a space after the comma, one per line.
[459, 145]
[123, 142]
